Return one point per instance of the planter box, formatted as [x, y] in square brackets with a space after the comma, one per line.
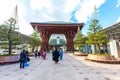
[99, 57]
[102, 58]
[31, 54]
[9, 59]
[80, 53]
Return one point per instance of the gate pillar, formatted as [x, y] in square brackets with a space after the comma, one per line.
[45, 35]
[70, 40]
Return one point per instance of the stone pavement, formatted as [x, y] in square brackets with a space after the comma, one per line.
[70, 68]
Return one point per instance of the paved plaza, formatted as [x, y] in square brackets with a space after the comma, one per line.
[70, 68]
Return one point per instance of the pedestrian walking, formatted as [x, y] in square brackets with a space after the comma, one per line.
[55, 55]
[61, 53]
[22, 59]
[42, 53]
[36, 53]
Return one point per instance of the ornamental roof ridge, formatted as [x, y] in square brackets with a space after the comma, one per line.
[59, 22]
[55, 22]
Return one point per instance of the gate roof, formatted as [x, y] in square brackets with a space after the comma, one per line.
[57, 27]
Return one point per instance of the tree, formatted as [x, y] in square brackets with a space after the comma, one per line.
[79, 40]
[93, 38]
[9, 34]
[3, 32]
[35, 40]
[95, 35]
[94, 26]
[97, 39]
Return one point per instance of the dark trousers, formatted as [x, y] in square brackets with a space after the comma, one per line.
[22, 64]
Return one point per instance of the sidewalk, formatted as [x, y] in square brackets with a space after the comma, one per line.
[70, 68]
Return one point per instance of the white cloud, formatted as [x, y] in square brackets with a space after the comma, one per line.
[118, 3]
[24, 24]
[25, 27]
[48, 10]
[118, 20]
[61, 10]
[87, 9]
[6, 9]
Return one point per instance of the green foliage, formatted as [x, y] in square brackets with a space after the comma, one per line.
[35, 40]
[79, 41]
[4, 46]
[18, 40]
[94, 26]
[8, 34]
[95, 35]
[8, 31]
[97, 38]
[3, 32]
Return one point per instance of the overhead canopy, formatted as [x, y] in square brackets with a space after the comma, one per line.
[113, 31]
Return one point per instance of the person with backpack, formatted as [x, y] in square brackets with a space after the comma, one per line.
[22, 58]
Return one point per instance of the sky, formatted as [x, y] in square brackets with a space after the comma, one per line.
[75, 11]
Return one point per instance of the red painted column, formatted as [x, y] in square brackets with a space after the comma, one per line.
[70, 40]
[45, 35]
